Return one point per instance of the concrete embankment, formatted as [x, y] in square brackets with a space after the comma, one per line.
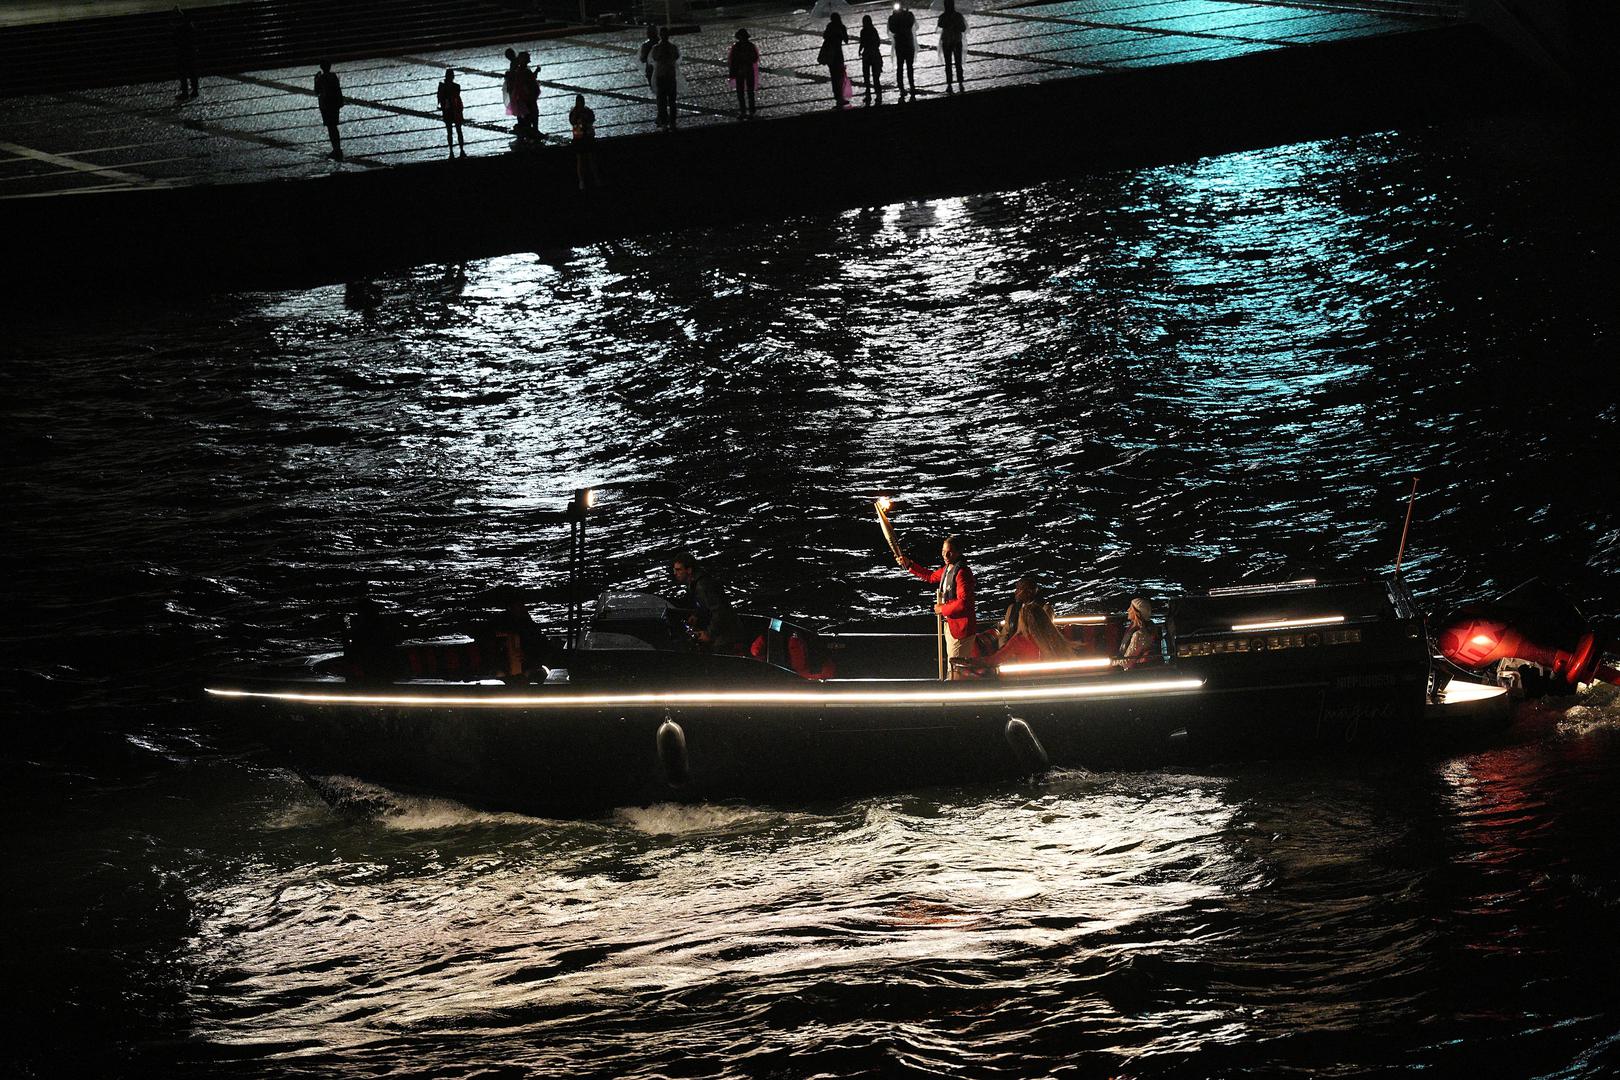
[352, 225]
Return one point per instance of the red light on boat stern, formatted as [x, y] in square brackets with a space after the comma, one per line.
[1473, 643]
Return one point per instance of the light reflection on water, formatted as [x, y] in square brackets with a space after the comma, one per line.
[668, 903]
[1173, 378]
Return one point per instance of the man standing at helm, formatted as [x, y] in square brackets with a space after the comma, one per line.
[953, 599]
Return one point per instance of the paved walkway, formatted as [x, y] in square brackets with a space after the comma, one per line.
[264, 124]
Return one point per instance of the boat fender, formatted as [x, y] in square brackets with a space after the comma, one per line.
[672, 753]
[1026, 747]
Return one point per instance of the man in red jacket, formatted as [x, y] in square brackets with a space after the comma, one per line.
[953, 599]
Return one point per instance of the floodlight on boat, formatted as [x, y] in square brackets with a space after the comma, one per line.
[829, 698]
[1048, 667]
[1079, 620]
[1290, 624]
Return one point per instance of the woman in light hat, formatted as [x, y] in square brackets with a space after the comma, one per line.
[1140, 643]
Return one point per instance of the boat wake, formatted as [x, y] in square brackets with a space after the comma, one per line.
[676, 819]
[352, 797]
[1597, 710]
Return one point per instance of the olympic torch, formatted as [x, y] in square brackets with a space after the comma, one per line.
[882, 507]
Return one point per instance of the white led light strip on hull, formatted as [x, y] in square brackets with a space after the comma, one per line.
[722, 699]
[1290, 624]
[1034, 667]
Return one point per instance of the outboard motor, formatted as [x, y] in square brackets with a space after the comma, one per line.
[1535, 623]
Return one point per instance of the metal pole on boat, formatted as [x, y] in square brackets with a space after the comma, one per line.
[583, 498]
[1401, 551]
[573, 578]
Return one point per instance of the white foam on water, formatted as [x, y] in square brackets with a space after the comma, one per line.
[678, 819]
[409, 813]
[1597, 709]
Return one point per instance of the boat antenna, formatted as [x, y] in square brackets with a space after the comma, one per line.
[1400, 552]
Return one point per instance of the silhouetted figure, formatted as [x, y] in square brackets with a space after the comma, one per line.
[528, 95]
[871, 52]
[646, 53]
[952, 28]
[903, 33]
[833, 40]
[666, 58]
[371, 634]
[583, 121]
[450, 109]
[742, 68]
[511, 85]
[511, 642]
[185, 54]
[329, 96]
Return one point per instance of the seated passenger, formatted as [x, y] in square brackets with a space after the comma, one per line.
[371, 633]
[805, 658]
[512, 642]
[1027, 590]
[1139, 644]
[1035, 638]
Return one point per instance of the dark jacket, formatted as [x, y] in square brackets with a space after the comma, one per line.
[741, 59]
[328, 93]
[715, 616]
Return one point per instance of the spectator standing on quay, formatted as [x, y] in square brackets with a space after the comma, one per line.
[530, 83]
[666, 58]
[833, 40]
[903, 34]
[742, 68]
[509, 88]
[185, 54]
[952, 28]
[329, 96]
[871, 51]
[583, 121]
[646, 53]
[450, 109]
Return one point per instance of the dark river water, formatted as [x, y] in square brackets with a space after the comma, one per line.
[1174, 378]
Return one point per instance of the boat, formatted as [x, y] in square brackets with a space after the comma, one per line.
[631, 710]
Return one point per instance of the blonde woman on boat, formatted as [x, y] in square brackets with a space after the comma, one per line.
[1036, 638]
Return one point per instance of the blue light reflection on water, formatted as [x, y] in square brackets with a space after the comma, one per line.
[1172, 378]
